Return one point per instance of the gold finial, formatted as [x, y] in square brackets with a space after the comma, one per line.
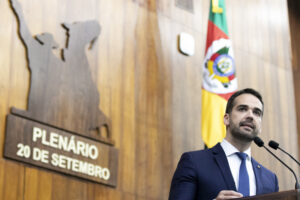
[215, 7]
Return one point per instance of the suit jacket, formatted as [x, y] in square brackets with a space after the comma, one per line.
[203, 174]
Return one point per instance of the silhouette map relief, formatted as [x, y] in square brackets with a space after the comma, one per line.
[62, 93]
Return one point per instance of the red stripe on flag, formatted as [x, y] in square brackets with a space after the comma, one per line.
[213, 58]
[226, 96]
[231, 77]
[213, 33]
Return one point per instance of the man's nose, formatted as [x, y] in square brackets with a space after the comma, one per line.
[250, 114]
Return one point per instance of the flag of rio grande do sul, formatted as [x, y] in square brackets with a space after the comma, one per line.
[219, 79]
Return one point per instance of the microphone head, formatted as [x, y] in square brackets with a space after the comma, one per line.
[258, 141]
[273, 144]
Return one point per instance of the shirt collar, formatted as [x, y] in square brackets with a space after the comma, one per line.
[229, 149]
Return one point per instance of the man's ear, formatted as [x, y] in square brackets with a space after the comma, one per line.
[226, 119]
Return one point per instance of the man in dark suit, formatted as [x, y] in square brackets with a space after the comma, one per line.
[227, 170]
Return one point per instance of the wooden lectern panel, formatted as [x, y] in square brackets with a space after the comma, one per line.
[285, 195]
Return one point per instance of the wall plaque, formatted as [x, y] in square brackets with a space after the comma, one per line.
[63, 128]
[43, 146]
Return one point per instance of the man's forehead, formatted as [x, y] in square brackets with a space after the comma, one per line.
[248, 100]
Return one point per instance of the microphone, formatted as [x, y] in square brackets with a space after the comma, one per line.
[275, 145]
[260, 143]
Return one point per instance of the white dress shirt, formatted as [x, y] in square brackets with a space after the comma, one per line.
[235, 162]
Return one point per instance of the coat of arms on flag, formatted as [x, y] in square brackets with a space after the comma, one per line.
[219, 68]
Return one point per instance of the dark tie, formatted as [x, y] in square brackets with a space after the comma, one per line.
[243, 177]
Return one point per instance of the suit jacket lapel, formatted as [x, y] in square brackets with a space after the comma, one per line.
[220, 157]
[258, 178]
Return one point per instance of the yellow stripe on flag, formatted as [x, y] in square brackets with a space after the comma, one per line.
[213, 110]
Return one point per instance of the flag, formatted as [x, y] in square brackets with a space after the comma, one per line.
[219, 79]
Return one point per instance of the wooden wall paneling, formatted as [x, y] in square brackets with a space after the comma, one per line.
[2, 180]
[78, 188]
[262, 57]
[146, 95]
[116, 79]
[59, 186]
[164, 117]
[271, 131]
[169, 51]
[184, 91]
[283, 132]
[154, 168]
[110, 54]
[11, 174]
[19, 74]
[183, 79]
[118, 57]
[4, 88]
[296, 78]
[31, 179]
[196, 20]
[45, 185]
[12, 180]
[110, 193]
[294, 22]
[282, 36]
[141, 159]
[166, 160]
[37, 184]
[125, 87]
[5, 60]
[287, 92]
[151, 92]
[65, 187]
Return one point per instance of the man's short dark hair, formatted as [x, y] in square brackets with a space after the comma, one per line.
[230, 102]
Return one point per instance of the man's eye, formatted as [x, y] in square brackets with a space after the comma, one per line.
[258, 113]
[242, 109]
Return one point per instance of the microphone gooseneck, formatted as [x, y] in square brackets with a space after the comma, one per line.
[260, 143]
[275, 145]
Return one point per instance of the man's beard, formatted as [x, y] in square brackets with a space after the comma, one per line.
[242, 135]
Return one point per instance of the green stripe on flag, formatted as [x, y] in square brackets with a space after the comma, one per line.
[223, 50]
[219, 19]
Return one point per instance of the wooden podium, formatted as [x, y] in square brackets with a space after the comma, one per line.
[285, 195]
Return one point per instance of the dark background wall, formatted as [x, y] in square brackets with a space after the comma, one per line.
[294, 18]
[151, 92]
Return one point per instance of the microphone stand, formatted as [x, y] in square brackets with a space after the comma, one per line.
[297, 186]
[260, 143]
[289, 155]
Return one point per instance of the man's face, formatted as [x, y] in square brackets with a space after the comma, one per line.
[244, 121]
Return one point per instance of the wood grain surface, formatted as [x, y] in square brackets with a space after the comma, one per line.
[294, 19]
[150, 91]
